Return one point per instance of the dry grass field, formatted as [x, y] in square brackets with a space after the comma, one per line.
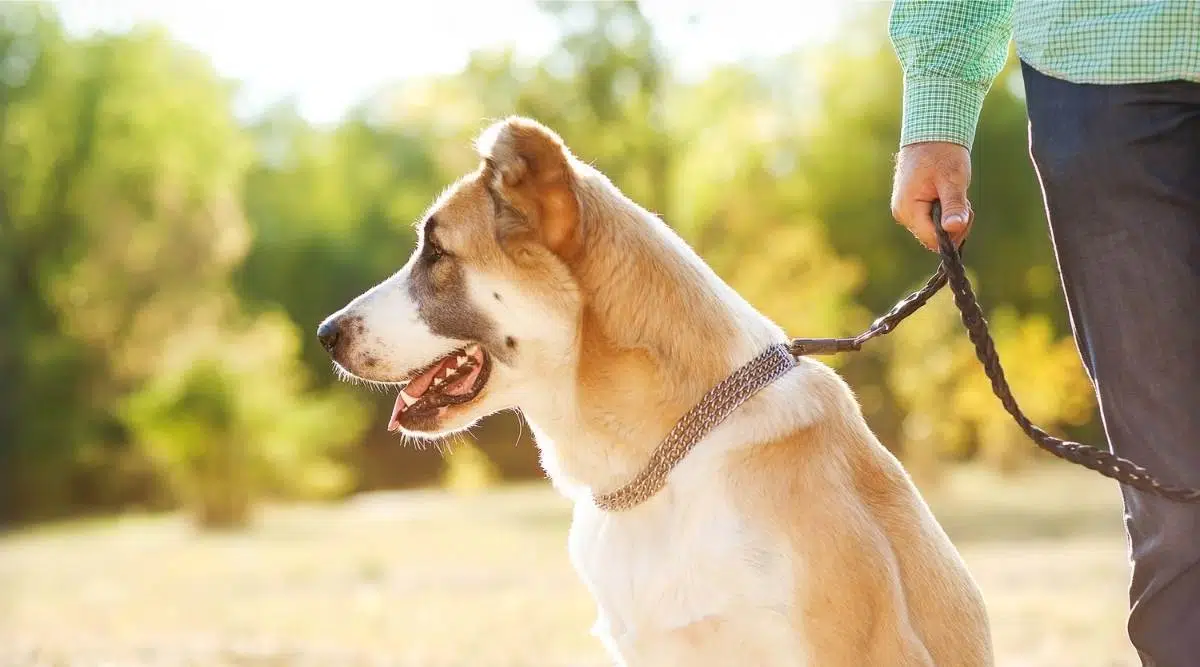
[432, 579]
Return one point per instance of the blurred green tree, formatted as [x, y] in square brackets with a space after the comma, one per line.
[49, 380]
[228, 420]
[121, 172]
[742, 200]
[948, 412]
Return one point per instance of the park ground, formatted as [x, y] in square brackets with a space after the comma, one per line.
[435, 579]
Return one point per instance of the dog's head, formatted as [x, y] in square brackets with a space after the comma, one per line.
[486, 301]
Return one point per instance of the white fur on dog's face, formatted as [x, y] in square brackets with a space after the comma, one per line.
[462, 286]
[388, 338]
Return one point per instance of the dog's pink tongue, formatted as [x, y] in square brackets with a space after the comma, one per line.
[415, 389]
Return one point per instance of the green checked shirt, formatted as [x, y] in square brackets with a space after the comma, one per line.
[952, 50]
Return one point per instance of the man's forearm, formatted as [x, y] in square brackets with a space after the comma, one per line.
[951, 52]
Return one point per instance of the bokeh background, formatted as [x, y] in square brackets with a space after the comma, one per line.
[187, 189]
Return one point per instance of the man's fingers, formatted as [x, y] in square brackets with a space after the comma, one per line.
[916, 216]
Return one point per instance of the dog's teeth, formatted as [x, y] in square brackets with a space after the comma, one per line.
[448, 372]
[437, 381]
[408, 400]
[462, 360]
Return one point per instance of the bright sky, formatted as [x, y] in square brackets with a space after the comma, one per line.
[329, 56]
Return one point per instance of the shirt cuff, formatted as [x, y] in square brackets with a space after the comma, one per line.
[940, 109]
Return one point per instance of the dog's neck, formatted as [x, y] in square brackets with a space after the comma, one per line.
[658, 329]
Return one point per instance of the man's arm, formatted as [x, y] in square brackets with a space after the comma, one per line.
[951, 52]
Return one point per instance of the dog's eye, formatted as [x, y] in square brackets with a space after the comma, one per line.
[433, 250]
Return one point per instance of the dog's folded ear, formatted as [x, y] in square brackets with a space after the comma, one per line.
[529, 168]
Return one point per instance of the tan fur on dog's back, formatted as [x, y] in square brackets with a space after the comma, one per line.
[855, 520]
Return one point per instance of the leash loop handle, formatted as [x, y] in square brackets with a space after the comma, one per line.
[952, 272]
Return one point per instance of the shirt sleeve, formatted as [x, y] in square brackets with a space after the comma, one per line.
[950, 52]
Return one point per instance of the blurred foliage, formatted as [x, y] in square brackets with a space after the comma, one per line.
[468, 468]
[948, 410]
[162, 265]
[122, 171]
[226, 419]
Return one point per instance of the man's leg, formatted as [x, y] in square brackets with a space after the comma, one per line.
[1120, 171]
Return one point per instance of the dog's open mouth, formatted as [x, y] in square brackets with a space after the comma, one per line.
[453, 379]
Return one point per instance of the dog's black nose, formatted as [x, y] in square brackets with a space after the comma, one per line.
[328, 334]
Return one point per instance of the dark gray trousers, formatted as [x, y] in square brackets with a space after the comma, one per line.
[1120, 171]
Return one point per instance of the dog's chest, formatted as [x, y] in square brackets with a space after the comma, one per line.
[669, 563]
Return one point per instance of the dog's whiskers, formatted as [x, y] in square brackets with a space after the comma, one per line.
[374, 385]
[520, 425]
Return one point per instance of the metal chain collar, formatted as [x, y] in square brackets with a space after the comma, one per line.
[713, 408]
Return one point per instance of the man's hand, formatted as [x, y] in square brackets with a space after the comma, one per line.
[928, 172]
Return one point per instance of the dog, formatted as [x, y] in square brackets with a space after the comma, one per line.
[787, 536]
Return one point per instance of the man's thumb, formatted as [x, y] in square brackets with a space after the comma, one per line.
[956, 212]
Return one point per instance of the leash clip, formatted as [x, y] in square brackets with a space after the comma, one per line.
[802, 347]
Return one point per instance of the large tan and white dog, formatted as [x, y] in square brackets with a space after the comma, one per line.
[788, 536]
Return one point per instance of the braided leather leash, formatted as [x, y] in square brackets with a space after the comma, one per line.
[952, 271]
